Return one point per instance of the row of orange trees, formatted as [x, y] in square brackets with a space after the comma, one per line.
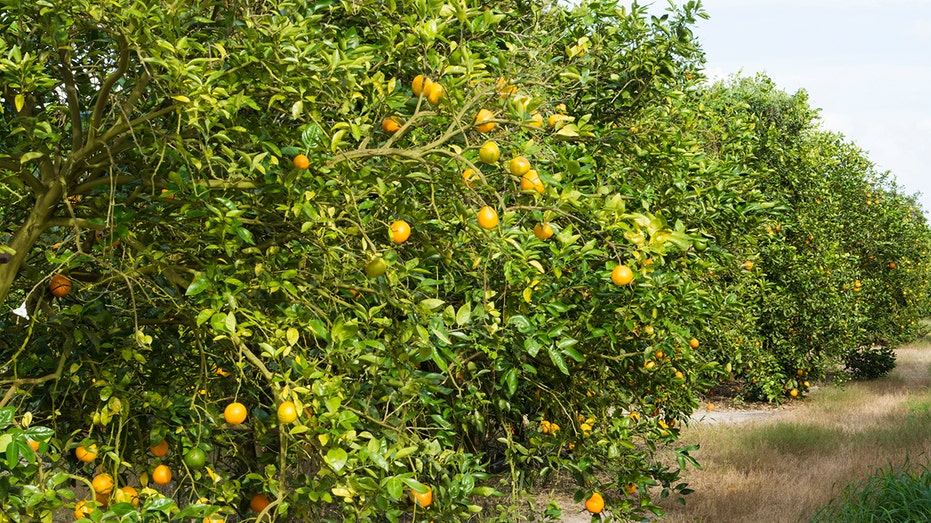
[421, 298]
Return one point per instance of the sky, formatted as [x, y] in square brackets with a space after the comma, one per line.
[865, 63]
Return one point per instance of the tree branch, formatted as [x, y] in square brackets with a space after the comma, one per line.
[71, 92]
[104, 93]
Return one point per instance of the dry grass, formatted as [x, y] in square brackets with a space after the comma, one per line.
[784, 468]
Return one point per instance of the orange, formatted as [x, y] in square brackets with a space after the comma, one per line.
[214, 519]
[400, 231]
[376, 267]
[748, 265]
[258, 502]
[469, 177]
[694, 343]
[235, 413]
[103, 484]
[420, 84]
[531, 181]
[59, 286]
[679, 375]
[391, 124]
[483, 122]
[425, 499]
[487, 218]
[161, 475]
[518, 165]
[554, 119]
[595, 504]
[287, 412]
[793, 393]
[81, 510]
[535, 120]
[543, 231]
[34, 445]
[892, 265]
[622, 275]
[160, 450]
[630, 489]
[301, 161]
[434, 93]
[127, 494]
[504, 88]
[489, 153]
[86, 454]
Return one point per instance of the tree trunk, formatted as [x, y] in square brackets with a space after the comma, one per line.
[27, 235]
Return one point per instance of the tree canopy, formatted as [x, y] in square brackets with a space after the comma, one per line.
[223, 184]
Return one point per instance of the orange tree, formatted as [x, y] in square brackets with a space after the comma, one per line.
[224, 184]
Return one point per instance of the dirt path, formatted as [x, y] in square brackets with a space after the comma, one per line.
[781, 464]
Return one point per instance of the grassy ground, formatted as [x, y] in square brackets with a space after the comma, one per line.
[784, 467]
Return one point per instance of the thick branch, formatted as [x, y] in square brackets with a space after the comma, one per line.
[23, 174]
[71, 93]
[104, 94]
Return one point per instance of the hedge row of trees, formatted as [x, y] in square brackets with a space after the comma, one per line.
[150, 159]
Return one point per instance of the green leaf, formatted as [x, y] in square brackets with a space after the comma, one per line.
[199, 285]
[522, 323]
[336, 458]
[510, 378]
[28, 157]
[6, 416]
[557, 359]
[394, 487]
[464, 314]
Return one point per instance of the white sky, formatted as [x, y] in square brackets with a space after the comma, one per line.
[865, 63]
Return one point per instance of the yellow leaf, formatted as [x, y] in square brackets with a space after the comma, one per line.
[528, 294]
[20, 101]
[183, 99]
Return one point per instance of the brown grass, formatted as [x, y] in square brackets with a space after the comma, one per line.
[785, 467]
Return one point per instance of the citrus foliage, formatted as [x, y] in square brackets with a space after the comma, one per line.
[296, 258]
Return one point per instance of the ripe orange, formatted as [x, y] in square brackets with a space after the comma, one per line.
[469, 177]
[81, 510]
[487, 218]
[161, 475]
[160, 450]
[259, 502]
[301, 161]
[103, 484]
[679, 375]
[793, 393]
[235, 413]
[892, 265]
[504, 88]
[87, 454]
[630, 489]
[425, 499]
[489, 153]
[535, 120]
[748, 265]
[59, 286]
[554, 119]
[483, 122]
[420, 84]
[543, 231]
[434, 93]
[595, 504]
[391, 124]
[622, 275]
[694, 343]
[127, 494]
[214, 519]
[518, 165]
[400, 231]
[287, 412]
[33, 444]
[531, 181]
